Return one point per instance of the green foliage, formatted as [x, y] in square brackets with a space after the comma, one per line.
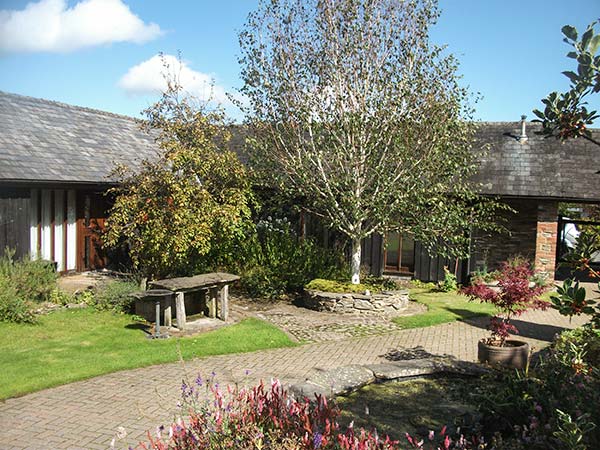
[372, 285]
[13, 308]
[555, 403]
[570, 300]
[274, 261]
[22, 284]
[60, 297]
[482, 275]
[449, 284]
[34, 280]
[565, 115]
[580, 344]
[116, 296]
[571, 432]
[176, 211]
[354, 114]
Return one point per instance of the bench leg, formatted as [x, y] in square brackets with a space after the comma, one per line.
[167, 322]
[224, 303]
[212, 303]
[180, 310]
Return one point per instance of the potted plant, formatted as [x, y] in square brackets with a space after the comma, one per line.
[513, 295]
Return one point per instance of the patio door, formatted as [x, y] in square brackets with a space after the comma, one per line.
[399, 255]
[91, 213]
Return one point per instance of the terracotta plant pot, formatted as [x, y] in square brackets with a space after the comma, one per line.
[514, 354]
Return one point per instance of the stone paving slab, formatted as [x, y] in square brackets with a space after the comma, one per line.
[305, 325]
[86, 414]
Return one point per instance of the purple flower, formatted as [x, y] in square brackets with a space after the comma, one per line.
[317, 440]
[199, 380]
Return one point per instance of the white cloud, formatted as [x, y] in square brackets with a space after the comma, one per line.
[50, 26]
[148, 77]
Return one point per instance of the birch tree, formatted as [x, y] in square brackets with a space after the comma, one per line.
[351, 108]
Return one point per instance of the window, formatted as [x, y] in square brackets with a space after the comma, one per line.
[399, 253]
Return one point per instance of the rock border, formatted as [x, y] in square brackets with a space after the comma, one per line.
[346, 379]
[390, 302]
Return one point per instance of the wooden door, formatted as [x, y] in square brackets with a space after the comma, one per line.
[91, 216]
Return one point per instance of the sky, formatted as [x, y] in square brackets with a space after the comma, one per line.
[103, 53]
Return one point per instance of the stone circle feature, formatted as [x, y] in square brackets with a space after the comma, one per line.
[388, 302]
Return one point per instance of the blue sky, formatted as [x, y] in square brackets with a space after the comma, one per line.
[511, 52]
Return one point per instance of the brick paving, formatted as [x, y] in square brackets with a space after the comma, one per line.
[87, 414]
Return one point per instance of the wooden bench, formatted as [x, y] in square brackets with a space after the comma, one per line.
[215, 284]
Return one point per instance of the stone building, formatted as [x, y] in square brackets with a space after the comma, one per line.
[56, 162]
[530, 173]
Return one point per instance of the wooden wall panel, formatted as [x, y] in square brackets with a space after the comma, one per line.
[14, 220]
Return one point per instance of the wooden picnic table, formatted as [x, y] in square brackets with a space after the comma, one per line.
[215, 284]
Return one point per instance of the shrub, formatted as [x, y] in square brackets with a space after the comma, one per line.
[449, 284]
[275, 261]
[513, 297]
[482, 275]
[13, 308]
[34, 280]
[556, 402]
[267, 418]
[115, 295]
[370, 284]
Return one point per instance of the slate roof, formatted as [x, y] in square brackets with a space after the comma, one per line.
[47, 141]
[538, 167]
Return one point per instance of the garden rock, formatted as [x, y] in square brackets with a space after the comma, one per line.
[402, 369]
[387, 302]
[308, 390]
[343, 380]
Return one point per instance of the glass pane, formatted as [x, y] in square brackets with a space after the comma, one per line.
[391, 251]
[578, 240]
[408, 254]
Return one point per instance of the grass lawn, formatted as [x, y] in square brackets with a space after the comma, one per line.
[443, 307]
[71, 345]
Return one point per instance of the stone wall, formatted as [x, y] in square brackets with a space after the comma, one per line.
[546, 238]
[389, 302]
[532, 234]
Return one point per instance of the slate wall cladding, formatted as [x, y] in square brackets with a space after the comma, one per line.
[490, 250]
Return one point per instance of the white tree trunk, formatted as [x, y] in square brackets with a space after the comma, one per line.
[356, 261]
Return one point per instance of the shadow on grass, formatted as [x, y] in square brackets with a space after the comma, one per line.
[414, 406]
[539, 331]
[138, 326]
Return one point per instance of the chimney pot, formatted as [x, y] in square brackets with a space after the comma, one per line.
[523, 136]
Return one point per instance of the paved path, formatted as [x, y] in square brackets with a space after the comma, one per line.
[86, 414]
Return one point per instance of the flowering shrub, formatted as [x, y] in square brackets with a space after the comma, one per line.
[513, 296]
[555, 403]
[268, 418]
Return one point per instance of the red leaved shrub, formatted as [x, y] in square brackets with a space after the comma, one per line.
[514, 294]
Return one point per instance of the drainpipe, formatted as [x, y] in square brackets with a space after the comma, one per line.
[523, 135]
